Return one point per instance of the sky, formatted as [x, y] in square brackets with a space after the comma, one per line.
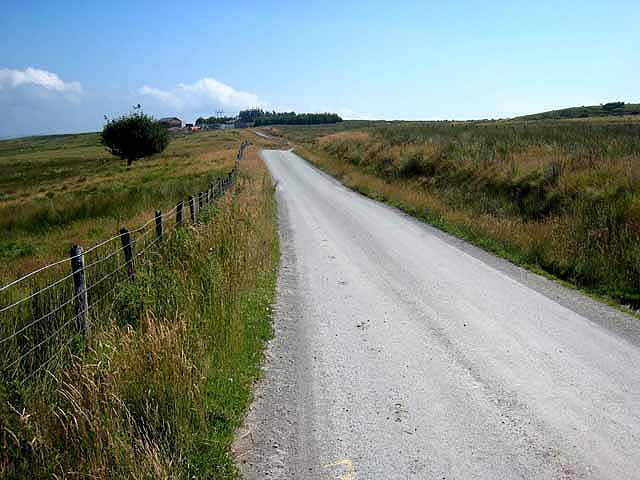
[64, 65]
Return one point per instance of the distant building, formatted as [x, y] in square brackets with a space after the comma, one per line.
[170, 122]
[233, 123]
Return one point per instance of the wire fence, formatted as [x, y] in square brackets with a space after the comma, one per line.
[48, 314]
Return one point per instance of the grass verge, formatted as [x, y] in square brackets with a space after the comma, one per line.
[508, 238]
[161, 388]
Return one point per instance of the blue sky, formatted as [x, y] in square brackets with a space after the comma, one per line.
[64, 65]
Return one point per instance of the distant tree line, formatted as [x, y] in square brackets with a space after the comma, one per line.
[260, 117]
[208, 121]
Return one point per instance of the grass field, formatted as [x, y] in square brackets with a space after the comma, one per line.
[160, 387]
[66, 189]
[562, 197]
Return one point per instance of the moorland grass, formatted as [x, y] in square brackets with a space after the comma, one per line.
[65, 189]
[162, 385]
[562, 197]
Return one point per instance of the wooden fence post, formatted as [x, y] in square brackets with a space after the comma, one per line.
[199, 202]
[179, 213]
[125, 237]
[192, 209]
[159, 226]
[80, 287]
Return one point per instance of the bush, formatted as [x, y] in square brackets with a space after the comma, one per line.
[134, 136]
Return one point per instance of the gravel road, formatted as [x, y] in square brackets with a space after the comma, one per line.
[403, 353]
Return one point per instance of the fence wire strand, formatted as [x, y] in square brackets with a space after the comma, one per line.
[50, 359]
[145, 241]
[55, 333]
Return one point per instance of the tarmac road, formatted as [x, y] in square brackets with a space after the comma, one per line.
[403, 353]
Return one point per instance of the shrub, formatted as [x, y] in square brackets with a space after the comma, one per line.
[134, 136]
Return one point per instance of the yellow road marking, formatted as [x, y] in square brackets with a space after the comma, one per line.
[348, 464]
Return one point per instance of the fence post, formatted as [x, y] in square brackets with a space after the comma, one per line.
[192, 209]
[80, 287]
[125, 237]
[199, 202]
[159, 226]
[179, 213]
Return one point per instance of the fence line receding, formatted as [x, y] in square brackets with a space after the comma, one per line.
[45, 312]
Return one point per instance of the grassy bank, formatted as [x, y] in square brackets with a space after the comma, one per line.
[560, 197]
[160, 388]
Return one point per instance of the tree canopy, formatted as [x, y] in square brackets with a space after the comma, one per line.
[134, 136]
[259, 117]
[209, 121]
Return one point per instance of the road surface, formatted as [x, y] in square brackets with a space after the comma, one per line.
[402, 353]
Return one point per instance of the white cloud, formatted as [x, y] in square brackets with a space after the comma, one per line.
[35, 77]
[205, 93]
[164, 96]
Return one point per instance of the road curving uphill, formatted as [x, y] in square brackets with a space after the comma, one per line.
[400, 352]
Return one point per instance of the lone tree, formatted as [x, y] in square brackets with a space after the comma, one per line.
[134, 136]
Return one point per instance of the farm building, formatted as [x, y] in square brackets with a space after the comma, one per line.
[171, 122]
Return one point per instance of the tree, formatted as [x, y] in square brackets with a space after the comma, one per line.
[134, 136]
[260, 118]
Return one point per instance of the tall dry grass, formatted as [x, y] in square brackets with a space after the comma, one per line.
[562, 197]
[159, 390]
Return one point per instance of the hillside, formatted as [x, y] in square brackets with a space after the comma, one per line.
[615, 109]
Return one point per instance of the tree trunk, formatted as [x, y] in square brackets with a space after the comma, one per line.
[129, 162]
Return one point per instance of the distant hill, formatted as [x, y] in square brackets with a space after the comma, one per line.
[603, 110]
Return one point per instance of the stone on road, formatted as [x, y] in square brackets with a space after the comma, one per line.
[402, 353]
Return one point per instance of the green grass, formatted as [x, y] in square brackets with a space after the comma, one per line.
[162, 382]
[65, 189]
[560, 197]
[614, 109]
[165, 378]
